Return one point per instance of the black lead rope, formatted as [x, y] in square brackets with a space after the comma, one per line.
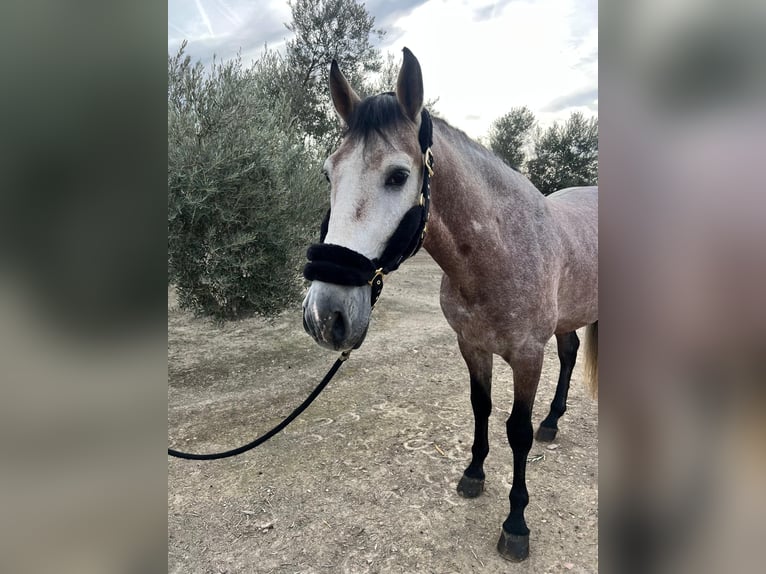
[343, 266]
[263, 438]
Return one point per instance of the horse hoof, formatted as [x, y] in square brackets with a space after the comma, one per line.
[545, 434]
[513, 547]
[470, 487]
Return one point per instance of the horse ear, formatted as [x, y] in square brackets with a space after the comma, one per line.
[344, 98]
[409, 86]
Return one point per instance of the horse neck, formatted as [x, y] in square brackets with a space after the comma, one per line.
[478, 203]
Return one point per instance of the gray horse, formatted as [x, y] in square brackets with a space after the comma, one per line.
[519, 267]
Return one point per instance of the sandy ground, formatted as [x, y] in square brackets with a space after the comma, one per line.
[364, 480]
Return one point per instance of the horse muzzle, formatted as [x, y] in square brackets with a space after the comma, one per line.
[337, 316]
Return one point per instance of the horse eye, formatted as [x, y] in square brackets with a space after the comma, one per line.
[397, 178]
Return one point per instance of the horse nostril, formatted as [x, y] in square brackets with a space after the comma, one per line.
[338, 330]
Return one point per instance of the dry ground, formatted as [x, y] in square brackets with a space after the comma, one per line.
[364, 480]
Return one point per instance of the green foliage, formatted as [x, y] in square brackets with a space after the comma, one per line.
[561, 156]
[384, 80]
[245, 194]
[326, 30]
[510, 134]
[565, 155]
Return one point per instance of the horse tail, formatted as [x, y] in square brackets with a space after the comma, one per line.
[591, 358]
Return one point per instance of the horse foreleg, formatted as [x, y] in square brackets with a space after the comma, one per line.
[567, 344]
[479, 364]
[514, 538]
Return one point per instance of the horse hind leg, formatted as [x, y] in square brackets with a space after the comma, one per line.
[479, 364]
[567, 344]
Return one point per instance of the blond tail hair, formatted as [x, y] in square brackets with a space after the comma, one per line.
[591, 358]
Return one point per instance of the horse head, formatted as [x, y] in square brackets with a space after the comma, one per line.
[376, 182]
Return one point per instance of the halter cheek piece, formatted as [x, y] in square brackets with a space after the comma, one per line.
[342, 266]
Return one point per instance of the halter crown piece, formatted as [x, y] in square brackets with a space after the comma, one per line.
[343, 266]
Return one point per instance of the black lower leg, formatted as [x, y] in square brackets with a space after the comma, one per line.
[519, 427]
[482, 407]
[471, 484]
[514, 540]
[568, 344]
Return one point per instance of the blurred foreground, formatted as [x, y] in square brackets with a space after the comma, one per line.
[683, 261]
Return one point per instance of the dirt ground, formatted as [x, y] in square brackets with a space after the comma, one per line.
[364, 480]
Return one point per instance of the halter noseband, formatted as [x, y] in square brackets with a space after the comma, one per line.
[342, 266]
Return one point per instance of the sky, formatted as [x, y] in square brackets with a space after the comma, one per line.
[479, 58]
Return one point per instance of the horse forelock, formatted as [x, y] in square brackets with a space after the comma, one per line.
[375, 115]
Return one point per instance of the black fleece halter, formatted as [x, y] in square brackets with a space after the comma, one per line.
[342, 266]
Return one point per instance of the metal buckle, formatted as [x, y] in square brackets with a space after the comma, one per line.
[378, 275]
[428, 158]
[376, 286]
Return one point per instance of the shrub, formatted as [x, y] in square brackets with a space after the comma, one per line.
[245, 191]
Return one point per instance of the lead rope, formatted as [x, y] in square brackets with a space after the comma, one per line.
[263, 438]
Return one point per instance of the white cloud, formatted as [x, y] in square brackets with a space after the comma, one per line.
[528, 53]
